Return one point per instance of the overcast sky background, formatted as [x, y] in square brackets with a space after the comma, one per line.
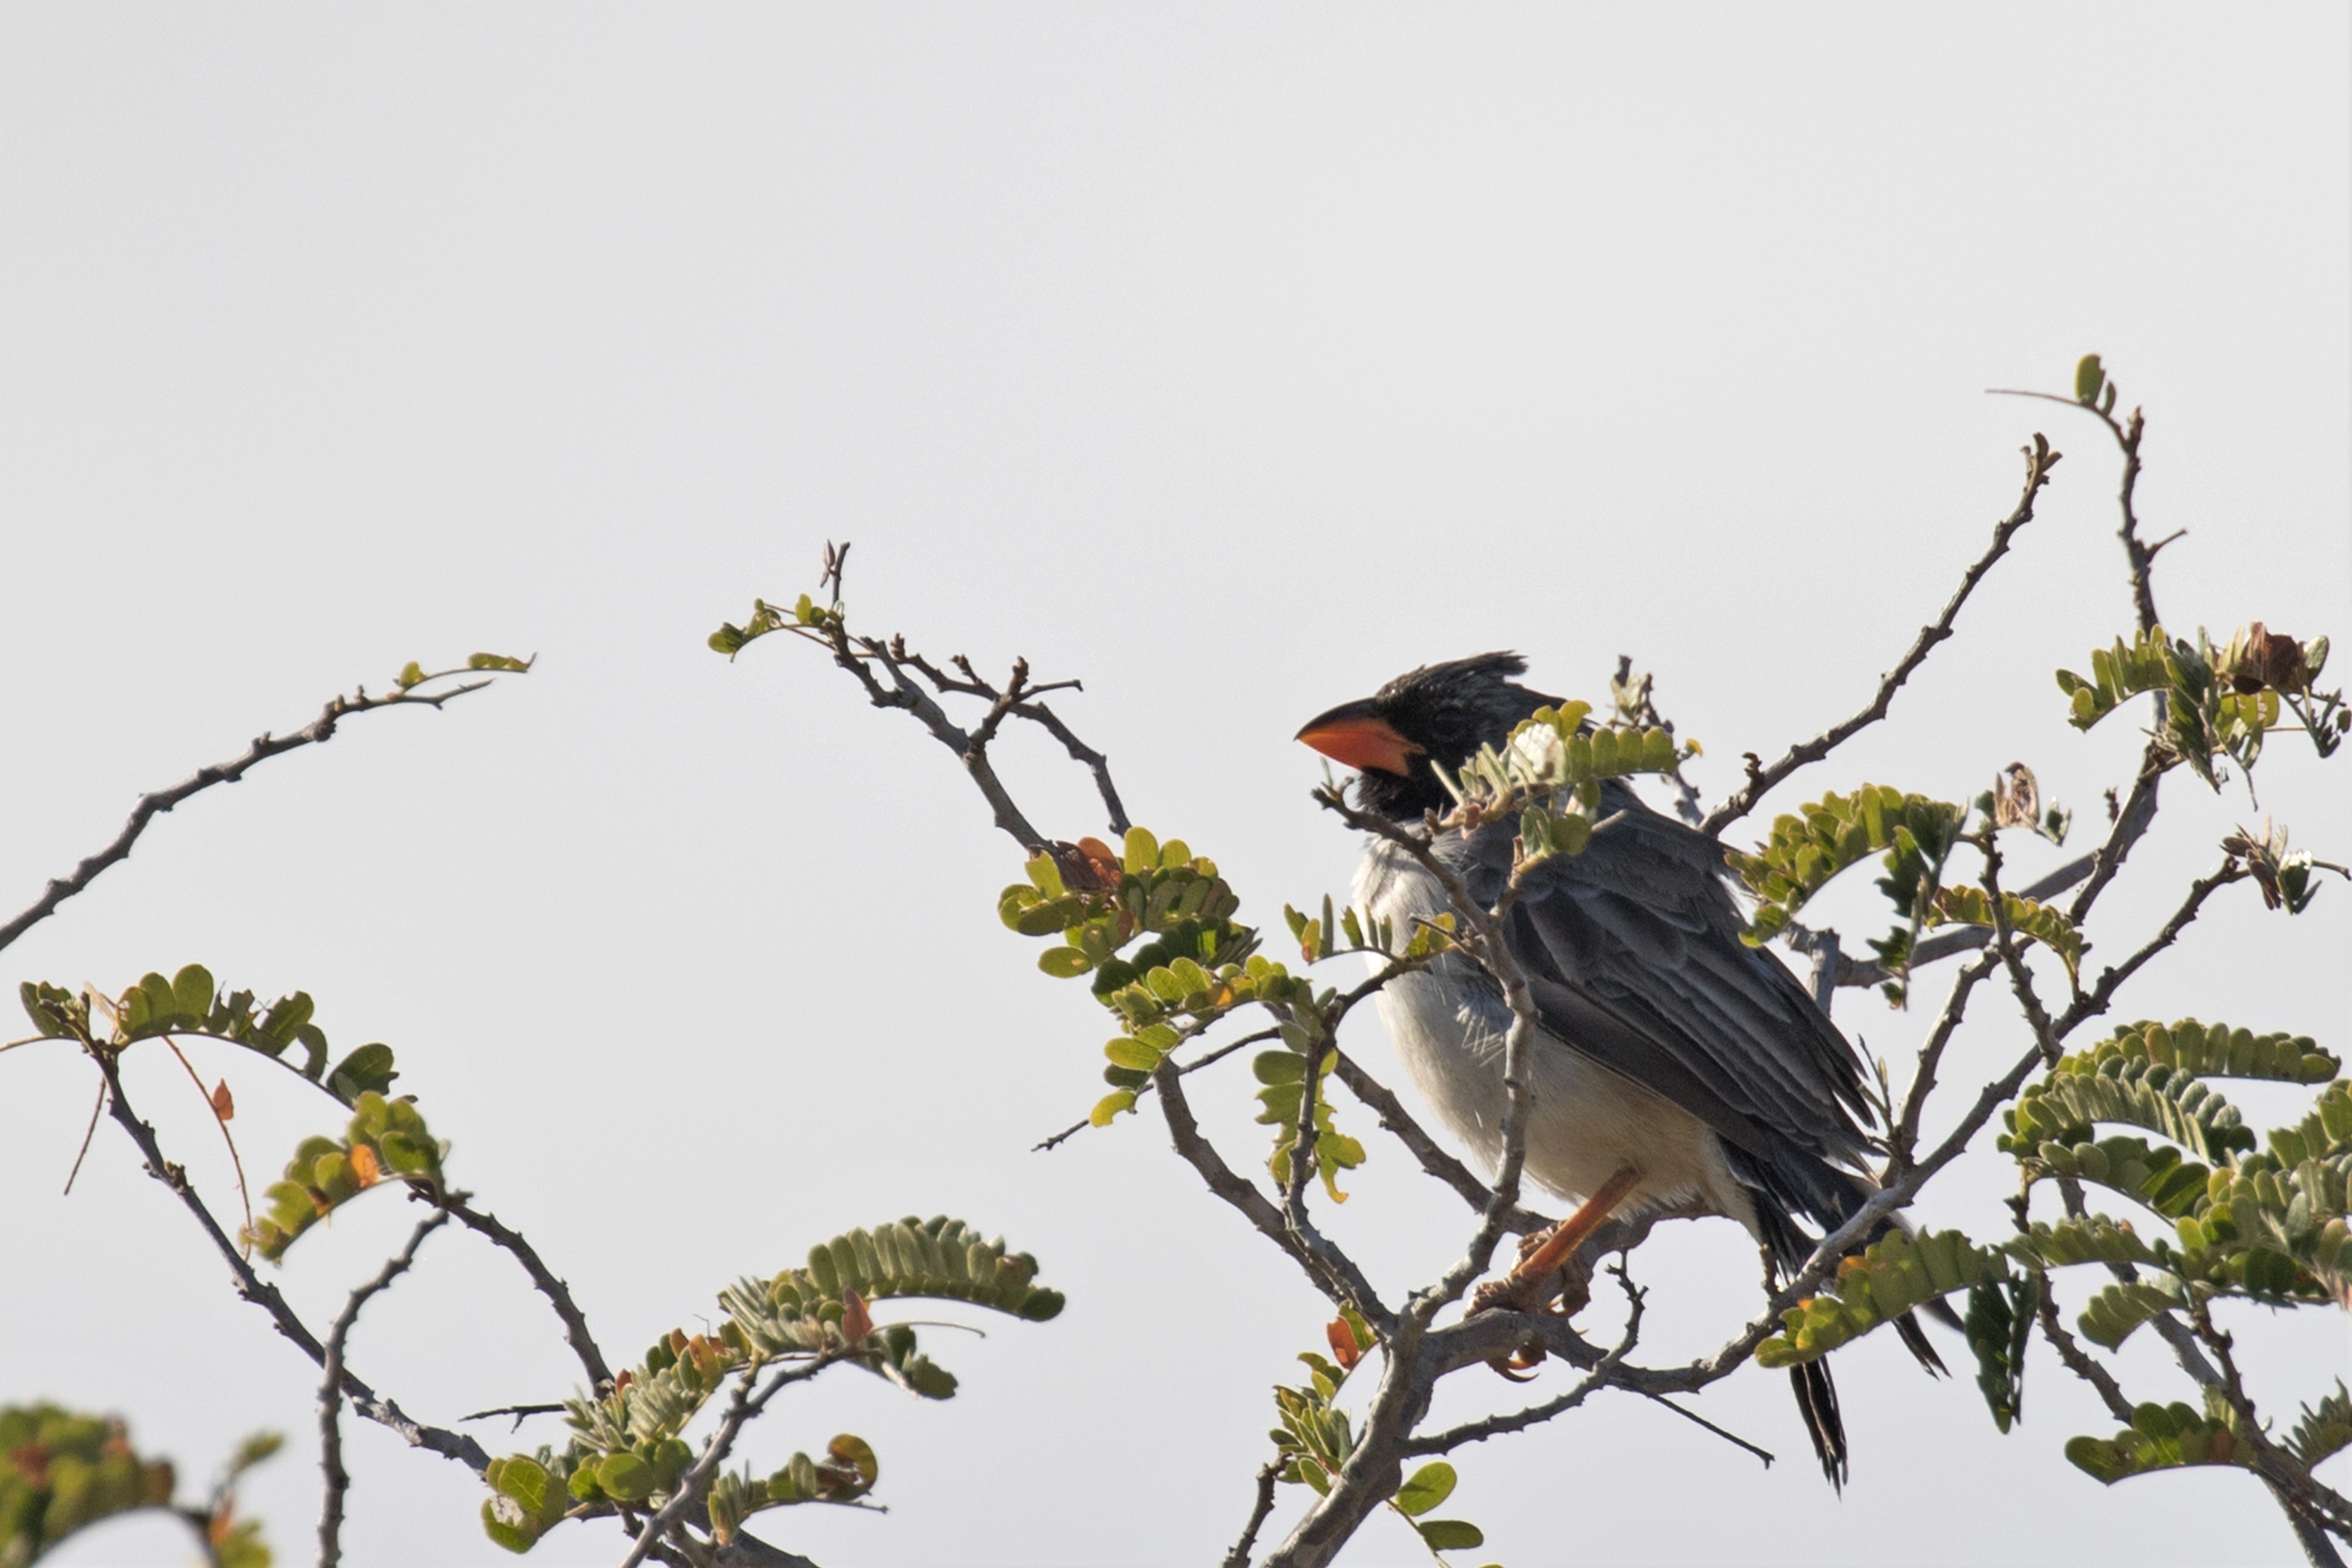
[1230, 358]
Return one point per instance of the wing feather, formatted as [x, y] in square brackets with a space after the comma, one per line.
[1635, 949]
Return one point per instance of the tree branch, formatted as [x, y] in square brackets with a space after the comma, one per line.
[317, 732]
[2140, 556]
[384, 1412]
[1331, 1271]
[330, 1392]
[1267, 1474]
[2039, 460]
[557, 1294]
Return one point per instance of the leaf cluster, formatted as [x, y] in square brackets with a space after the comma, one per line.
[190, 1003]
[1315, 1439]
[1552, 765]
[627, 1448]
[386, 1141]
[61, 1471]
[2217, 703]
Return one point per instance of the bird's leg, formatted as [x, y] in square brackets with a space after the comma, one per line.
[1524, 1288]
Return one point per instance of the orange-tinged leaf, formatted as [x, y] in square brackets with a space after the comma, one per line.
[856, 1322]
[224, 1102]
[1343, 1342]
[364, 1168]
[1103, 861]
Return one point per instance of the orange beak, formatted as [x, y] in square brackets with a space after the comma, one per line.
[1356, 737]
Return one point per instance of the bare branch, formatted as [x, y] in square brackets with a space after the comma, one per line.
[316, 732]
[557, 1294]
[2141, 556]
[2039, 460]
[1330, 1268]
[97, 1109]
[2095, 1001]
[2080, 1362]
[330, 1391]
[1267, 1474]
[1923, 1079]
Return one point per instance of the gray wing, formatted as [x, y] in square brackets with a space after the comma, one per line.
[1634, 954]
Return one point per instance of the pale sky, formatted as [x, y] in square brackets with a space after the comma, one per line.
[1230, 358]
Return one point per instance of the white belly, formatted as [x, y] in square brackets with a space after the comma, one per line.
[1587, 1122]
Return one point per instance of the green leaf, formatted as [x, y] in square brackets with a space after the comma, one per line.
[2160, 1438]
[2041, 921]
[524, 1479]
[2089, 377]
[1063, 963]
[1130, 1052]
[1425, 1489]
[2210, 1051]
[1999, 1324]
[624, 1475]
[1110, 1106]
[498, 662]
[1893, 1275]
[192, 992]
[2110, 1317]
[2325, 1429]
[2136, 1092]
[368, 1068]
[1449, 1534]
[1912, 834]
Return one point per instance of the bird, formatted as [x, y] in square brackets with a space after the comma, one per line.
[1675, 1069]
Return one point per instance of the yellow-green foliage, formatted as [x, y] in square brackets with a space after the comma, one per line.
[60, 1471]
[1889, 1278]
[2049, 927]
[2160, 1438]
[387, 1141]
[627, 1446]
[2210, 1051]
[1810, 847]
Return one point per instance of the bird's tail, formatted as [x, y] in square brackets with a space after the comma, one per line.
[1816, 1392]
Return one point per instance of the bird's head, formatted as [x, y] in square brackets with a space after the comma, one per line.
[1439, 713]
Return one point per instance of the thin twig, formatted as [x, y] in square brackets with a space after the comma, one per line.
[330, 1391]
[1734, 1439]
[1210, 1060]
[1267, 1474]
[97, 1109]
[557, 1294]
[1931, 1055]
[2039, 460]
[2140, 556]
[1397, 1121]
[2095, 1001]
[318, 730]
[518, 1411]
[244, 1197]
